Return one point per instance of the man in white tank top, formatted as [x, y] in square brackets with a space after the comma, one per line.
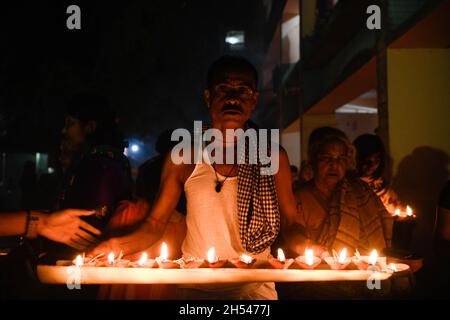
[212, 190]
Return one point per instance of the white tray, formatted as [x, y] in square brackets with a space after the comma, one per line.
[114, 275]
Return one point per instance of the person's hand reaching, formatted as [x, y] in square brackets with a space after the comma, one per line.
[65, 226]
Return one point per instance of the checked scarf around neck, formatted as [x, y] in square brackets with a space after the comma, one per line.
[258, 211]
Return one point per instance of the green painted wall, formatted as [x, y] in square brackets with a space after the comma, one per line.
[419, 132]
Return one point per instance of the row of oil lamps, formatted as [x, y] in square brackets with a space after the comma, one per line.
[308, 261]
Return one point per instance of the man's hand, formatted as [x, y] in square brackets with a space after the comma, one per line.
[65, 226]
[141, 239]
[106, 247]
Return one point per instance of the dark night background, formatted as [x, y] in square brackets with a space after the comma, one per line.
[149, 58]
[318, 64]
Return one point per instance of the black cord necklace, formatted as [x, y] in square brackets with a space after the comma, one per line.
[219, 184]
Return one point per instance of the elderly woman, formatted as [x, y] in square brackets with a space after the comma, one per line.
[335, 209]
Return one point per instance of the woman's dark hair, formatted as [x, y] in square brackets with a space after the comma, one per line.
[89, 106]
[367, 145]
[322, 133]
[229, 63]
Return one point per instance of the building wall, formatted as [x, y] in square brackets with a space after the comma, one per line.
[356, 124]
[290, 33]
[268, 111]
[419, 131]
[353, 124]
[308, 9]
[419, 100]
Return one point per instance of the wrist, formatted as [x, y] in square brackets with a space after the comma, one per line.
[35, 224]
[31, 222]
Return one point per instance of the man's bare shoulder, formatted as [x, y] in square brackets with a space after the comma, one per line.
[283, 161]
[181, 169]
[283, 154]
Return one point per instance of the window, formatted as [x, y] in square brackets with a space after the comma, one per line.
[235, 39]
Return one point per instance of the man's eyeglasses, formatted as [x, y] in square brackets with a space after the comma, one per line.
[341, 160]
[244, 92]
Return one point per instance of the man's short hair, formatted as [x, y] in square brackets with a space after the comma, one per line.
[229, 63]
[89, 106]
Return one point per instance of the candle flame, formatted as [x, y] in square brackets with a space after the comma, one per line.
[309, 257]
[281, 255]
[212, 255]
[342, 256]
[111, 258]
[393, 267]
[397, 212]
[409, 211]
[143, 259]
[373, 257]
[78, 261]
[246, 259]
[164, 252]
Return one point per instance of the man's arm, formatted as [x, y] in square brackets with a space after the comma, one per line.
[292, 231]
[152, 229]
[12, 223]
[286, 198]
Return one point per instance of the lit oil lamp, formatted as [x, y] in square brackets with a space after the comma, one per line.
[409, 212]
[244, 262]
[403, 229]
[79, 261]
[367, 262]
[111, 258]
[404, 214]
[338, 262]
[82, 260]
[394, 267]
[373, 257]
[191, 263]
[308, 261]
[144, 262]
[119, 262]
[280, 262]
[110, 261]
[163, 261]
[213, 261]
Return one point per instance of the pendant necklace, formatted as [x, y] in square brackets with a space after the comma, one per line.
[219, 184]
